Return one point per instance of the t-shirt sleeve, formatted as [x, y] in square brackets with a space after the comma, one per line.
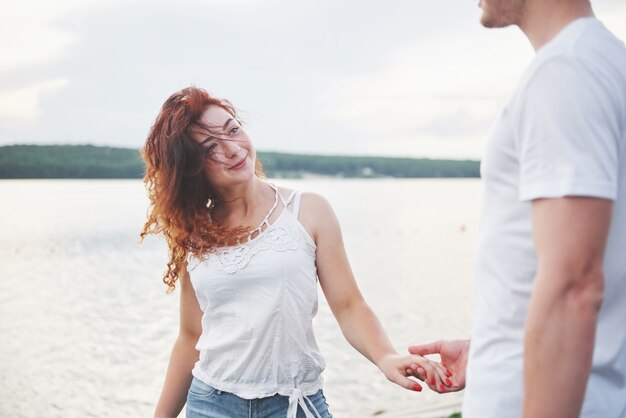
[568, 133]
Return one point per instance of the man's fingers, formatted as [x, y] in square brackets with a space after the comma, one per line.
[425, 349]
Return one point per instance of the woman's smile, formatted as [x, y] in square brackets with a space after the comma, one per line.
[241, 164]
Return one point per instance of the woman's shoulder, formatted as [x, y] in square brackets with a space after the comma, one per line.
[289, 192]
[309, 201]
[314, 199]
[315, 210]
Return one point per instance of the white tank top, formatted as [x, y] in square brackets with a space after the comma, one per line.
[258, 300]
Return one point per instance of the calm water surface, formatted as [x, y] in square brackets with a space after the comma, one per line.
[87, 327]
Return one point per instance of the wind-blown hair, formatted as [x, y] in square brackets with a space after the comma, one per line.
[178, 188]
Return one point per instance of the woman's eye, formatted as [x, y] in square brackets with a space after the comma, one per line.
[210, 148]
[234, 130]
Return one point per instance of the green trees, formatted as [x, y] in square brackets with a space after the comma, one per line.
[69, 161]
[342, 166]
[88, 161]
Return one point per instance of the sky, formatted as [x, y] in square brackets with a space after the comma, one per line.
[411, 78]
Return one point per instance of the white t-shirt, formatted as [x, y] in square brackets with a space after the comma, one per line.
[562, 133]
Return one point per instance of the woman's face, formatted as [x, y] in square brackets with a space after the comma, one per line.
[229, 154]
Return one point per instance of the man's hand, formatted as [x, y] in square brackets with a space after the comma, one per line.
[453, 357]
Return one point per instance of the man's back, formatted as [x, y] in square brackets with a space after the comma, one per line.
[562, 133]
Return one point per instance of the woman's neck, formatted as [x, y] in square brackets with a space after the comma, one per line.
[242, 202]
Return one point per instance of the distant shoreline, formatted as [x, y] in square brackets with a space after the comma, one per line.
[96, 162]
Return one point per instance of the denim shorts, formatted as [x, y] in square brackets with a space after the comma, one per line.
[204, 401]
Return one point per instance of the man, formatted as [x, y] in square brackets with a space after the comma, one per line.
[549, 337]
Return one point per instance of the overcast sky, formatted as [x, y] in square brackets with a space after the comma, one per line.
[401, 77]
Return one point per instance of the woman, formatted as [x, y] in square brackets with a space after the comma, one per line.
[248, 256]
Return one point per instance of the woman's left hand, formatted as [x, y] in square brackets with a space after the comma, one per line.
[397, 369]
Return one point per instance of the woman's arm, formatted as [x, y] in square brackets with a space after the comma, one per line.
[184, 354]
[358, 322]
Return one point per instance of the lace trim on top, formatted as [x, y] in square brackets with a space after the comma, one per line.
[276, 237]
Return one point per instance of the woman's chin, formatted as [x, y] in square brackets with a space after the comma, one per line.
[242, 175]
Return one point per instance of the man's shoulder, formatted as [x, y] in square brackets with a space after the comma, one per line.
[588, 47]
[586, 61]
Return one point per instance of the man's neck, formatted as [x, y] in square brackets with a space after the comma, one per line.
[543, 20]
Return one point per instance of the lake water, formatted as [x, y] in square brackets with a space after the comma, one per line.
[87, 327]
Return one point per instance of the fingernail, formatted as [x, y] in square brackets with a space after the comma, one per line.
[417, 388]
[448, 382]
[432, 380]
[448, 373]
[441, 388]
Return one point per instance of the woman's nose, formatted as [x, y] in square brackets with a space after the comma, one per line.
[231, 148]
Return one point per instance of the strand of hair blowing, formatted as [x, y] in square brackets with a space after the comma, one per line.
[177, 186]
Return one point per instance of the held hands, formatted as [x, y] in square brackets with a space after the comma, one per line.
[397, 369]
[453, 357]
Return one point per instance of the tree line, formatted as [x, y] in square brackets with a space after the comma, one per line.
[92, 162]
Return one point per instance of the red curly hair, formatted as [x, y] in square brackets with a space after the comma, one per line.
[177, 186]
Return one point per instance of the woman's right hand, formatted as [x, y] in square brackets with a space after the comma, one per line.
[398, 369]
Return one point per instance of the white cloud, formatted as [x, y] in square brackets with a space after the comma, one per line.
[30, 30]
[22, 105]
[430, 91]
[418, 78]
